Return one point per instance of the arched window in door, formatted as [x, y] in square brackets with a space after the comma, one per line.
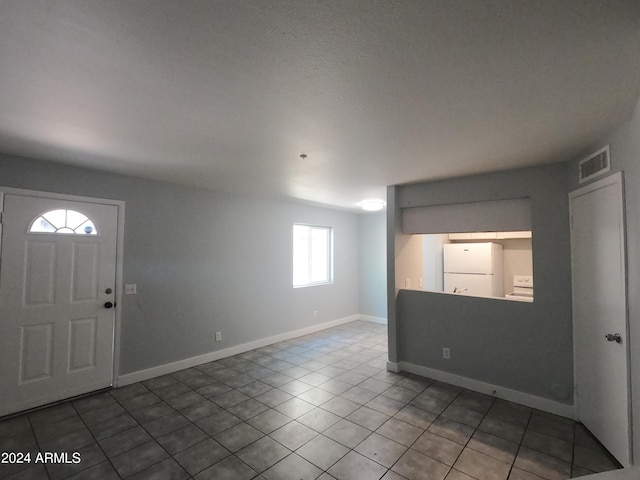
[64, 222]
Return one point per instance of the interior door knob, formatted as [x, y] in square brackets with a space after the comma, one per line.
[108, 305]
[613, 337]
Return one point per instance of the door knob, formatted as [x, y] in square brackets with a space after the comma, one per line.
[108, 305]
[613, 337]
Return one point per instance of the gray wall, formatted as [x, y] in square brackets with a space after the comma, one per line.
[522, 346]
[205, 262]
[625, 156]
[373, 264]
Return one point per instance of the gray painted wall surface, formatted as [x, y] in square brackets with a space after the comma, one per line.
[522, 346]
[625, 156]
[205, 262]
[373, 264]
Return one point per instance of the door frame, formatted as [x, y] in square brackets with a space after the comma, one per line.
[120, 205]
[613, 179]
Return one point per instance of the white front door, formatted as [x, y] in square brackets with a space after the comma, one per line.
[601, 347]
[57, 292]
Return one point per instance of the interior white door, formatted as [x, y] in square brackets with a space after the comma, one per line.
[57, 291]
[600, 310]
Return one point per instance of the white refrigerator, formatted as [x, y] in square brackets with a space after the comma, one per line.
[473, 269]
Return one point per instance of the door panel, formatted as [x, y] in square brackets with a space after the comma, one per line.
[599, 308]
[57, 338]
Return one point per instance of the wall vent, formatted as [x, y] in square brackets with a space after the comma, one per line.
[594, 165]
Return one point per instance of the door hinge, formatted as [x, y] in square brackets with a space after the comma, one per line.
[1, 215]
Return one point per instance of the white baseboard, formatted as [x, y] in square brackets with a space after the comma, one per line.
[141, 375]
[369, 318]
[544, 404]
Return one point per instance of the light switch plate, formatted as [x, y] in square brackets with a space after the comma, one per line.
[130, 289]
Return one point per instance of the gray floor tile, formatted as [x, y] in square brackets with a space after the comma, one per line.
[292, 467]
[594, 460]
[200, 410]
[399, 431]
[139, 401]
[230, 398]
[381, 449]
[359, 395]
[274, 397]
[218, 422]
[400, 394]
[336, 386]
[166, 470]
[322, 451]
[439, 448]
[182, 401]
[254, 388]
[430, 404]
[319, 419]
[101, 471]
[340, 406]
[89, 456]
[293, 435]
[463, 415]
[231, 468]
[347, 433]
[123, 441]
[294, 407]
[542, 465]
[181, 439]
[296, 387]
[152, 412]
[112, 426]
[200, 456]
[502, 429]
[52, 414]
[458, 475]
[475, 401]
[357, 467]
[316, 396]
[368, 418]
[452, 430]
[138, 459]
[386, 405]
[416, 416]
[91, 417]
[552, 428]
[166, 424]
[550, 445]
[247, 409]
[416, 466]
[263, 453]
[269, 420]
[481, 466]
[238, 437]
[517, 474]
[493, 446]
[48, 431]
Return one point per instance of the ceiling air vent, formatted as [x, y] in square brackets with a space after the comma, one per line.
[594, 165]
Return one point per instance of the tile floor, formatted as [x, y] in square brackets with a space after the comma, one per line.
[319, 406]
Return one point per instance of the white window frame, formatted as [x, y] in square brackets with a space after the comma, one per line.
[329, 265]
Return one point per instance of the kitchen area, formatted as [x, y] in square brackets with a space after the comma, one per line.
[482, 264]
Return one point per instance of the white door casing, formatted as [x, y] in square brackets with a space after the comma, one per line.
[58, 335]
[600, 308]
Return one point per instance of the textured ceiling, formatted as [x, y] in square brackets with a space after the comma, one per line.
[228, 94]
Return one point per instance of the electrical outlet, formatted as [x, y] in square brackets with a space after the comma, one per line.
[446, 353]
[407, 283]
[315, 314]
[218, 336]
[420, 283]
